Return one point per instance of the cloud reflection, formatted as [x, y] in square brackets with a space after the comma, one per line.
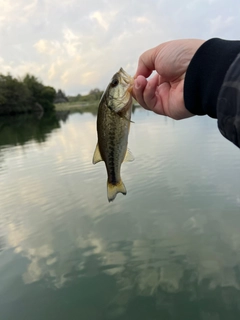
[169, 237]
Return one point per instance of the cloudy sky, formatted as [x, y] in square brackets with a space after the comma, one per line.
[77, 45]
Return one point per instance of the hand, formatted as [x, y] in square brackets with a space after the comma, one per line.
[163, 93]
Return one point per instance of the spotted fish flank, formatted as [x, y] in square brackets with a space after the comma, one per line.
[113, 123]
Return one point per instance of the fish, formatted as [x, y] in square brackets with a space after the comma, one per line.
[113, 125]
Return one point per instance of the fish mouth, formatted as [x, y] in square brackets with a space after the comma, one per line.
[130, 88]
[125, 77]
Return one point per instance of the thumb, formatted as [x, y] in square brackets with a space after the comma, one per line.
[146, 63]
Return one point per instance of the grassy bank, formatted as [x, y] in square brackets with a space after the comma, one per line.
[82, 107]
[77, 107]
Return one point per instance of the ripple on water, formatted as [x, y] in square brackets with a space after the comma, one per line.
[176, 217]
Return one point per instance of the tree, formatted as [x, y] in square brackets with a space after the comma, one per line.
[47, 97]
[22, 95]
[96, 93]
[15, 96]
[60, 97]
[44, 95]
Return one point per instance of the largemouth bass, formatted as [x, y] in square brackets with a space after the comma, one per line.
[113, 123]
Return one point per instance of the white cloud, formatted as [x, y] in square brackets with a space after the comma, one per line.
[142, 20]
[221, 23]
[72, 42]
[30, 8]
[69, 46]
[98, 16]
[16, 12]
[42, 46]
[76, 45]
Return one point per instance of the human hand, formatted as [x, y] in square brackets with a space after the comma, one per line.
[163, 93]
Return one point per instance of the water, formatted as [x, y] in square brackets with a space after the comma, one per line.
[169, 249]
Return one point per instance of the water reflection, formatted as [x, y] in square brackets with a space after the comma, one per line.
[20, 129]
[168, 250]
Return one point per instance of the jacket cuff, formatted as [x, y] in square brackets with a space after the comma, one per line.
[205, 75]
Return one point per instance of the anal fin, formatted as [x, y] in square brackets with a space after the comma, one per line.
[128, 156]
[97, 155]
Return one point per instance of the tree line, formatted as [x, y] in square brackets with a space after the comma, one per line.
[24, 95]
[92, 96]
[28, 94]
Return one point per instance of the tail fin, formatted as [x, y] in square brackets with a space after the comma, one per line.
[113, 190]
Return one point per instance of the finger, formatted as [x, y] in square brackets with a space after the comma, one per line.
[162, 104]
[146, 63]
[155, 95]
[149, 94]
[138, 89]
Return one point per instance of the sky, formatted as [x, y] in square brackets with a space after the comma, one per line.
[77, 45]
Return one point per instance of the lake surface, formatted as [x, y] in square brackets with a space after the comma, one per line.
[169, 249]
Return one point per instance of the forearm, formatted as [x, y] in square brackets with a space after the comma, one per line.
[205, 85]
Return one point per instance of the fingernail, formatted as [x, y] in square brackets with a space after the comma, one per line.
[137, 85]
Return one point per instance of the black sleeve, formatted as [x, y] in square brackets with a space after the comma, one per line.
[228, 105]
[206, 86]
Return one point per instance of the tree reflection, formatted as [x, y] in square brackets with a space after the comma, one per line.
[17, 130]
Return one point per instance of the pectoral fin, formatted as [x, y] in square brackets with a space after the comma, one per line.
[128, 156]
[123, 117]
[97, 155]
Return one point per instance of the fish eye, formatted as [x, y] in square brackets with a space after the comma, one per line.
[114, 83]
